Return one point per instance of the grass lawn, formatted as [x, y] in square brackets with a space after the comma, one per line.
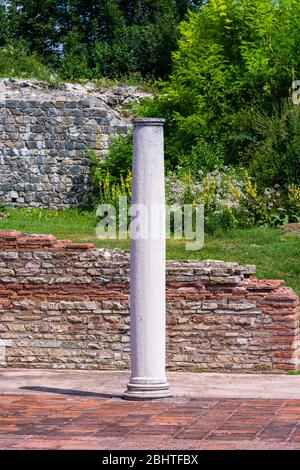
[276, 255]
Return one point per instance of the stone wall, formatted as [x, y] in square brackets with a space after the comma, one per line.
[64, 305]
[45, 136]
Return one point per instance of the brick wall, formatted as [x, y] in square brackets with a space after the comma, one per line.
[64, 305]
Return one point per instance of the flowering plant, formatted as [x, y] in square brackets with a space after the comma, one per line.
[231, 198]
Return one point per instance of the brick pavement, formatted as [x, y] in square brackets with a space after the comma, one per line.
[55, 421]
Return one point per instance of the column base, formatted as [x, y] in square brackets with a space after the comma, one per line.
[147, 391]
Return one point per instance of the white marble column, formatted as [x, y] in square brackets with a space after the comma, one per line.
[148, 253]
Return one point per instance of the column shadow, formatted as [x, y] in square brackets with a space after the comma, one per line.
[64, 391]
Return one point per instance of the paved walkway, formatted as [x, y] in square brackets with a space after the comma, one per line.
[83, 410]
[184, 384]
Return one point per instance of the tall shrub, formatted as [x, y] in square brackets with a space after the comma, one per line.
[235, 58]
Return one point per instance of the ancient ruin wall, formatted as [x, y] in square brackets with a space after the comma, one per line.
[46, 135]
[64, 305]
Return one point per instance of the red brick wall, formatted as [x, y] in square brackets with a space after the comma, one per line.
[64, 305]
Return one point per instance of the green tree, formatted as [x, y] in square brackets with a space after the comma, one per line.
[111, 37]
[17, 61]
[75, 63]
[233, 57]
[4, 27]
[40, 24]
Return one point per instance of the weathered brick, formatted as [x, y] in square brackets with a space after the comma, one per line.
[67, 306]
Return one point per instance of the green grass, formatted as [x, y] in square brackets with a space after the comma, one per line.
[198, 370]
[276, 255]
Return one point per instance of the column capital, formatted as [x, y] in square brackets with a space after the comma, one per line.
[148, 122]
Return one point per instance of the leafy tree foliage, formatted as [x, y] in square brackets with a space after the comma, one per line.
[235, 64]
[17, 61]
[88, 39]
[228, 70]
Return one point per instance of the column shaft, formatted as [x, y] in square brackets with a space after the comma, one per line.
[147, 269]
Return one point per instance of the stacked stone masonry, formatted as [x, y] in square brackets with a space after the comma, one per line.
[47, 135]
[65, 305]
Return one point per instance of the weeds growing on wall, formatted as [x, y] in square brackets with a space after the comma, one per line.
[17, 61]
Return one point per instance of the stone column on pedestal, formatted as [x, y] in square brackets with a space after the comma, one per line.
[147, 266]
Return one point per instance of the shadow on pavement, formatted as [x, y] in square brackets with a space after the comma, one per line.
[63, 391]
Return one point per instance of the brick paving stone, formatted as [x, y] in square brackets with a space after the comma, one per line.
[7, 442]
[245, 445]
[216, 445]
[295, 436]
[232, 435]
[44, 421]
[277, 431]
[180, 444]
[144, 442]
[80, 444]
[198, 433]
[157, 429]
[37, 444]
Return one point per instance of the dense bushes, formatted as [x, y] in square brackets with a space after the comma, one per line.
[16, 61]
[231, 197]
[275, 157]
[228, 97]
